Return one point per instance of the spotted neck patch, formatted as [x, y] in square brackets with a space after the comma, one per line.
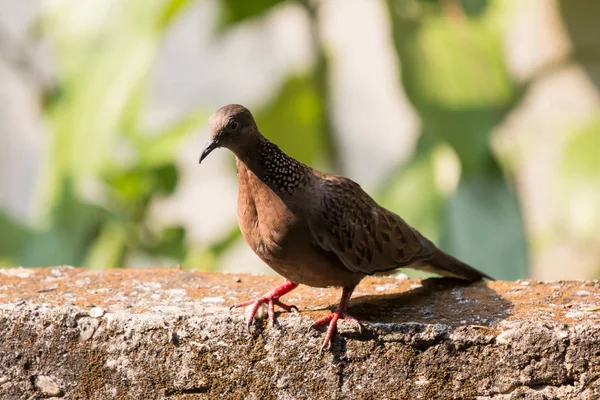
[280, 170]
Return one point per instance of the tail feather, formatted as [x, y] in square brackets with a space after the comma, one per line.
[444, 264]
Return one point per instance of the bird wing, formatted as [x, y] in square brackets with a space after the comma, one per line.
[366, 237]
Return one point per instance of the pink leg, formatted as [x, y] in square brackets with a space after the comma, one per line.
[340, 312]
[272, 299]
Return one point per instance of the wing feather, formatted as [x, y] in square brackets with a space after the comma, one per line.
[365, 237]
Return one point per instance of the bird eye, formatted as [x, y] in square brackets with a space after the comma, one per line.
[234, 125]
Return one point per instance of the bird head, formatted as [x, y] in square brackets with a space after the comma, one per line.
[231, 127]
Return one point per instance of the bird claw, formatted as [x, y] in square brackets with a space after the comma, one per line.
[325, 345]
[293, 307]
[270, 299]
[332, 319]
[360, 328]
[284, 306]
[255, 304]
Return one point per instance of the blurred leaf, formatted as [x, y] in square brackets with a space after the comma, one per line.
[460, 63]
[72, 214]
[580, 158]
[13, 238]
[105, 53]
[209, 260]
[225, 243]
[108, 249]
[52, 247]
[73, 228]
[412, 193]
[171, 243]
[134, 187]
[293, 120]
[165, 179]
[200, 258]
[129, 184]
[475, 8]
[454, 73]
[171, 10]
[82, 145]
[234, 11]
[482, 226]
[579, 184]
[467, 131]
[157, 150]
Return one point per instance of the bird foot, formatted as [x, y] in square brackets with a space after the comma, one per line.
[332, 319]
[271, 299]
[271, 302]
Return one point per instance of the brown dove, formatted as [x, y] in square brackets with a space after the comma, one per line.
[315, 228]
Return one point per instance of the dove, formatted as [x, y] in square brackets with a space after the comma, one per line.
[315, 228]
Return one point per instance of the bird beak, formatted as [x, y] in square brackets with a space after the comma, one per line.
[210, 146]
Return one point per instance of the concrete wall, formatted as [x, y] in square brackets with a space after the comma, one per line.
[167, 333]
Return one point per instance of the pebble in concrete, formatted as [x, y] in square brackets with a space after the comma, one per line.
[47, 386]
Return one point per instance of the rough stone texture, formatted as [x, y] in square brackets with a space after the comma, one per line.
[167, 333]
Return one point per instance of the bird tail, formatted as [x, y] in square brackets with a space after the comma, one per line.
[444, 264]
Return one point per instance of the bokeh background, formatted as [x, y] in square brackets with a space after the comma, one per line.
[476, 120]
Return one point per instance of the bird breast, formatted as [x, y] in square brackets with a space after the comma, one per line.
[266, 222]
[281, 237]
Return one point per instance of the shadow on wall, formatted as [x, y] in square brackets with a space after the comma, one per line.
[455, 303]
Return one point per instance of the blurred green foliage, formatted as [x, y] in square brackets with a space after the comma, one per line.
[453, 70]
[454, 74]
[299, 108]
[579, 185]
[235, 11]
[97, 140]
